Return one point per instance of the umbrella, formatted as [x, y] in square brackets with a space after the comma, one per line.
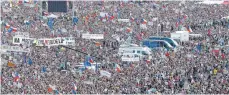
[52, 16]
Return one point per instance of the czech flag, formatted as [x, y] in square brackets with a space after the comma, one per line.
[148, 61]
[128, 29]
[132, 19]
[143, 21]
[91, 60]
[7, 26]
[112, 17]
[189, 29]
[117, 68]
[19, 2]
[14, 29]
[10, 29]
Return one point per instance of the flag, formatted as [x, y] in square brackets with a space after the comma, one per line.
[91, 60]
[132, 19]
[74, 92]
[75, 20]
[43, 69]
[143, 21]
[209, 32]
[112, 17]
[25, 59]
[7, 26]
[86, 61]
[50, 90]
[16, 78]
[189, 29]
[10, 29]
[148, 61]
[128, 29]
[11, 64]
[44, 13]
[14, 29]
[50, 23]
[74, 88]
[26, 1]
[185, 16]
[117, 68]
[198, 47]
[30, 62]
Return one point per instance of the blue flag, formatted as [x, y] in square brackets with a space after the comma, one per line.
[43, 69]
[86, 62]
[75, 20]
[50, 23]
[10, 30]
[198, 47]
[73, 91]
[30, 61]
[25, 59]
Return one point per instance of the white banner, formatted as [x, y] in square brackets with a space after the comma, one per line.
[93, 36]
[44, 41]
[22, 34]
[105, 73]
[130, 59]
[124, 20]
[103, 14]
[14, 48]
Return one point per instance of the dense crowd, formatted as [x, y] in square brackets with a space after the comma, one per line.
[187, 71]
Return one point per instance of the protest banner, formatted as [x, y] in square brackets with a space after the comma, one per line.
[14, 48]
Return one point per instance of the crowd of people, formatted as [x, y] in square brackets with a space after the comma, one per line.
[52, 70]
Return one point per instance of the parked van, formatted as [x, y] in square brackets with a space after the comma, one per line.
[155, 44]
[169, 40]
